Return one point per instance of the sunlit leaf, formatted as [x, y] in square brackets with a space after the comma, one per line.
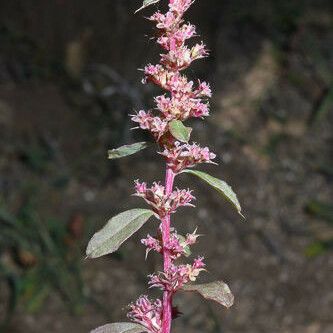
[126, 150]
[217, 291]
[179, 131]
[117, 231]
[146, 3]
[220, 186]
[120, 328]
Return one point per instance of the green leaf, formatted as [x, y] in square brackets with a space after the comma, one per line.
[217, 291]
[126, 150]
[187, 249]
[117, 231]
[179, 131]
[220, 186]
[146, 3]
[120, 328]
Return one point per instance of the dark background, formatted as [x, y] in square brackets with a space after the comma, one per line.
[68, 80]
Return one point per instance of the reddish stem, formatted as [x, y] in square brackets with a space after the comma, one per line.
[167, 295]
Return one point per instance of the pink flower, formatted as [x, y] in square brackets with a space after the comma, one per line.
[157, 74]
[181, 198]
[177, 38]
[155, 125]
[177, 59]
[181, 107]
[184, 156]
[173, 245]
[162, 203]
[197, 267]
[198, 51]
[165, 21]
[177, 276]
[198, 263]
[179, 85]
[203, 90]
[147, 313]
[180, 58]
[176, 245]
[198, 109]
[140, 188]
[191, 238]
[152, 244]
[180, 6]
[168, 80]
[153, 69]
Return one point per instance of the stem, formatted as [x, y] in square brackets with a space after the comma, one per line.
[167, 295]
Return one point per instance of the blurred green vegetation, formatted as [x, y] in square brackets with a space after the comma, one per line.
[39, 257]
[322, 211]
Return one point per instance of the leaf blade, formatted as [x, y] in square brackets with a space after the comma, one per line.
[179, 131]
[216, 291]
[220, 186]
[145, 4]
[126, 150]
[120, 328]
[117, 231]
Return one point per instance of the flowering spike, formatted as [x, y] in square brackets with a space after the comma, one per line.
[182, 99]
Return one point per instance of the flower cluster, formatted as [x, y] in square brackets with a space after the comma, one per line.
[172, 81]
[179, 7]
[177, 276]
[181, 58]
[147, 313]
[182, 107]
[177, 245]
[177, 38]
[174, 246]
[152, 244]
[184, 156]
[161, 202]
[185, 100]
[147, 121]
